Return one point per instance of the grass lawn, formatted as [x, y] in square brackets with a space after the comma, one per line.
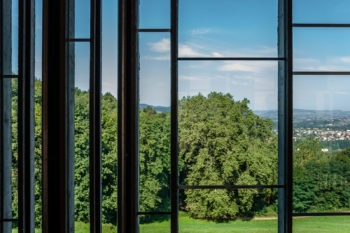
[337, 224]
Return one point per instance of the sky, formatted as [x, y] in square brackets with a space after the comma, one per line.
[223, 28]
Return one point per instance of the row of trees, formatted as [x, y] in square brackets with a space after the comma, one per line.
[221, 142]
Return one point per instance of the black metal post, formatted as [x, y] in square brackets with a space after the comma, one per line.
[285, 116]
[5, 117]
[128, 105]
[95, 118]
[174, 121]
[58, 122]
[26, 117]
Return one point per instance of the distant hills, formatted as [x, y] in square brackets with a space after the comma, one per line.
[156, 108]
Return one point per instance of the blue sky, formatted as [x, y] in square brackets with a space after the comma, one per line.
[219, 28]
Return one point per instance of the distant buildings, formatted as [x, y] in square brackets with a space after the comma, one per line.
[323, 135]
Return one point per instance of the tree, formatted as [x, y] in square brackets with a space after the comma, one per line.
[222, 142]
[154, 160]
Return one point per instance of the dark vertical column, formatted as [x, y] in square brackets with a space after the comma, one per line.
[58, 105]
[70, 63]
[95, 118]
[285, 117]
[128, 99]
[5, 117]
[174, 121]
[26, 117]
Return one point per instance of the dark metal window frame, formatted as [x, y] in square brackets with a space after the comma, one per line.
[128, 85]
[333, 73]
[25, 110]
[58, 115]
[5, 117]
[58, 123]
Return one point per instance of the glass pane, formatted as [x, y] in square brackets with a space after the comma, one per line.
[319, 49]
[81, 134]
[321, 11]
[109, 114]
[82, 18]
[154, 224]
[221, 211]
[154, 122]
[327, 224]
[228, 123]
[321, 143]
[154, 14]
[154, 69]
[243, 28]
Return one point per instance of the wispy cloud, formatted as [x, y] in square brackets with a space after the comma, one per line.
[162, 46]
[187, 51]
[344, 60]
[250, 67]
[201, 31]
[322, 64]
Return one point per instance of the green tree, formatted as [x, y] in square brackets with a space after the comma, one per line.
[222, 142]
[154, 160]
[320, 179]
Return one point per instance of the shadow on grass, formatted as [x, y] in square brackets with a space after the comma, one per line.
[154, 218]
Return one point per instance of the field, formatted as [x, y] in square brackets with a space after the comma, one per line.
[188, 225]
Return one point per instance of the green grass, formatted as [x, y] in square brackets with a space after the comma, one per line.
[85, 228]
[339, 224]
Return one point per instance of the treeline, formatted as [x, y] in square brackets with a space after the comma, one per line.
[321, 180]
[221, 142]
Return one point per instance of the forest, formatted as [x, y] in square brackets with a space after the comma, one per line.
[221, 142]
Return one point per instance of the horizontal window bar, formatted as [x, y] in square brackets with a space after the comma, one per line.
[321, 214]
[154, 30]
[228, 186]
[8, 220]
[154, 213]
[321, 73]
[9, 76]
[322, 25]
[231, 59]
[79, 40]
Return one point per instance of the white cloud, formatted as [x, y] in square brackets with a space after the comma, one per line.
[216, 54]
[322, 64]
[187, 51]
[248, 66]
[230, 66]
[190, 78]
[344, 59]
[162, 46]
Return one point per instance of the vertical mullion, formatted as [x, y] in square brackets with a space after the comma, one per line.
[95, 118]
[26, 116]
[5, 117]
[70, 63]
[128, 114]
[289, 117]
[285, 116]
[58, 122]
[174, 119]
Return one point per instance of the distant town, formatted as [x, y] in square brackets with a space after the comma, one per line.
[322, 134]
